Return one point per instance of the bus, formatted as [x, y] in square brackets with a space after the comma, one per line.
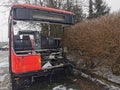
[31, 53]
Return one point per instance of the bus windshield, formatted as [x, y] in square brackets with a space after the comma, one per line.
[26, 25]
[30, 35]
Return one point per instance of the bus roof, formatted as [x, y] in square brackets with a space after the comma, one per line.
[42, 8]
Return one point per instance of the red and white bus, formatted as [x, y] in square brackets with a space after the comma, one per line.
[32, 54]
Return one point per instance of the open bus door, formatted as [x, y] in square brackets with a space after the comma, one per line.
[32, 54]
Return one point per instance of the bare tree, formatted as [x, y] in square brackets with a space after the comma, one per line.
[70, 5]
[90, 9]
[97, 8]
[101, 8]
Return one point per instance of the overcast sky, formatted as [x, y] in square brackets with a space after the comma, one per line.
[114, 4]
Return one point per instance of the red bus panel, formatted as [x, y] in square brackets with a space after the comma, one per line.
[25, 63]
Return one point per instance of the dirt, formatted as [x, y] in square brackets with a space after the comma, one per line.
[88, 85]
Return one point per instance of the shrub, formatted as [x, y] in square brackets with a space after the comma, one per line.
[97, 38]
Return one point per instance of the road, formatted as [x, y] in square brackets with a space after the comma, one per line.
[66, 84]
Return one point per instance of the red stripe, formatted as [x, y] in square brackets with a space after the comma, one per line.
[42, 8]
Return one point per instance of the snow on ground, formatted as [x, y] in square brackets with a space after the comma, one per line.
[5, 81]
[4, 71]
[107, 73]
[101, 71]
[108, 86]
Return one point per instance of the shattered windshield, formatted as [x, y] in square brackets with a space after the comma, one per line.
[26, 25]
[26, 35]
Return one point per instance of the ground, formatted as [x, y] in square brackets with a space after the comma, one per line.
[78, 83]
[4, 72]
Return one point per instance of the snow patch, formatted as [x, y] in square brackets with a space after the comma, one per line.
[60, 87]
[3, 77]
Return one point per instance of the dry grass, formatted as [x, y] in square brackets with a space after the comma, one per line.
[98, 38]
